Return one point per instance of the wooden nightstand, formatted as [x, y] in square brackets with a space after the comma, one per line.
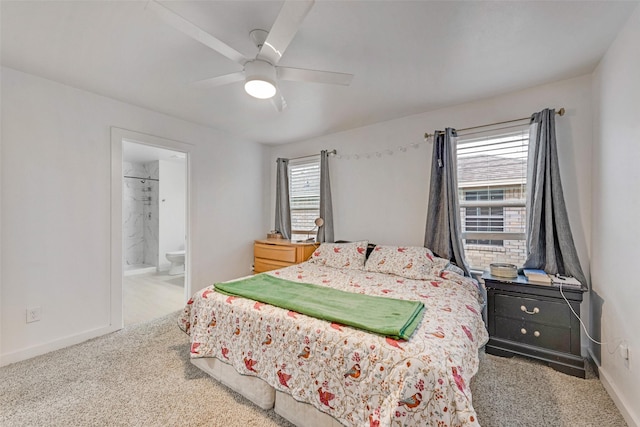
[535, 321]
[271, 254]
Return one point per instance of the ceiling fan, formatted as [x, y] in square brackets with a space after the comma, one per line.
[262, 73]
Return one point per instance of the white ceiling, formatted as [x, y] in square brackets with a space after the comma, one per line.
[407, 57]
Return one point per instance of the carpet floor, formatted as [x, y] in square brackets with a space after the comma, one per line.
[141, 376]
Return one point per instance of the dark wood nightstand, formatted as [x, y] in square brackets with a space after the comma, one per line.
[535, 321]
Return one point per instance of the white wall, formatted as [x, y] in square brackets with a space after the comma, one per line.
[55, 196]
[615, 227]
[1, 205]
[172, 210]
[384, 199]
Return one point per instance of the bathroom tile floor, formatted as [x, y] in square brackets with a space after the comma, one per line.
[151, 295]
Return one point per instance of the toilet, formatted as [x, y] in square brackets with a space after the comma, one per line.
[177, 262]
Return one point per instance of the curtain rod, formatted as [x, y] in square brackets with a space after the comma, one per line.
[560, 112]
[334, 152]
[142, 178]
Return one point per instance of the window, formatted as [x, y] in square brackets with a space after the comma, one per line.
[304, 196]
[484, 218]
[492, 174]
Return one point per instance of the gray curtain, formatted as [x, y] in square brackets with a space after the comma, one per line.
[550, 244]
[283, 211]
[443, 235]
[325, 233]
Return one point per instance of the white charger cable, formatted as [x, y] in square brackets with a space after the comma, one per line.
[585, 328]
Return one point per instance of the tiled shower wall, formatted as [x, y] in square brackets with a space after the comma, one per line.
[140, 214]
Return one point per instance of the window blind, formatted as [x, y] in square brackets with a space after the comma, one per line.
[304, 194]
[492, 174]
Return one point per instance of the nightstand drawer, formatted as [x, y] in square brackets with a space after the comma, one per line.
[536, 334]
[532, 310]
[285, 254]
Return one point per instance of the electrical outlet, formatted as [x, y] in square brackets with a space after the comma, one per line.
[34, 314]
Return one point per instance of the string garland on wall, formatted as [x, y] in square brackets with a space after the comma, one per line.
[377, 154]
[428, 138]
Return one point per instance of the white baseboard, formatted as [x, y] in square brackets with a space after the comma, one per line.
[163, 267]
[623, 405]
[37, 350]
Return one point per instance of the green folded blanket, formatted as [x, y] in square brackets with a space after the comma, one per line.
[385, 316]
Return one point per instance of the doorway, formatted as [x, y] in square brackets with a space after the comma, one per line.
[150, 227]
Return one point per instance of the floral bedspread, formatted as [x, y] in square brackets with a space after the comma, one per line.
[359, 378]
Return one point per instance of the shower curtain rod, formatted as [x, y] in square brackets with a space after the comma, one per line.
[334, 152]
[560, 112]
[142, 178]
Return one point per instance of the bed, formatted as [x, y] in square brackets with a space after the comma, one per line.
[317, 372]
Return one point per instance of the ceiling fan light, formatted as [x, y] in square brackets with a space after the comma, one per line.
[260, 79]
[261, 89]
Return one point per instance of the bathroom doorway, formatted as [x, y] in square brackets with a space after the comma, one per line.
[150, 227]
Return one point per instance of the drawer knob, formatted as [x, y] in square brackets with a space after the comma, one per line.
[536, 310]
[523, 331]
[536, 334]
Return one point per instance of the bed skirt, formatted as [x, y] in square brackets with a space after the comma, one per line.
[302, 414]
[266, 397]
[253, 388]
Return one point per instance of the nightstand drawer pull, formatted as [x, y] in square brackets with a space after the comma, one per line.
[536, 310]
[536, 334]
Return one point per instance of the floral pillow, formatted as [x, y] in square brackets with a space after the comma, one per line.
[341, 255]
[411, 262]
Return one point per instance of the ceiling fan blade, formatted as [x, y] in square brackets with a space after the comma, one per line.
[284, 29]
[218, 81]
[279, 102]
[181, 24]
[314, 76]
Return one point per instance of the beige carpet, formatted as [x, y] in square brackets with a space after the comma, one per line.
[521, 392]
[141, 376]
